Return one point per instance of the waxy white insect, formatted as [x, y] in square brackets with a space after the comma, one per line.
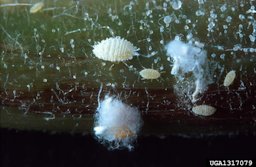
[149, 73]
[36, 7]
[204, 110]
[116, 123]
[230, 77]
[115, 49]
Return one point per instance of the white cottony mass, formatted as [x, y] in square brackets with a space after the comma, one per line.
[188, 58]
[116, 123]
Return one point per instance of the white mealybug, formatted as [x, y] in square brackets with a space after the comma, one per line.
[149, 73]
[116, 123]
[230, 77]
[115, 49]
[36, 7]
[204, 110]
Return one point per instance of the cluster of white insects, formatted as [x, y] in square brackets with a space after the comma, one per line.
[118, 123]
[117, 49]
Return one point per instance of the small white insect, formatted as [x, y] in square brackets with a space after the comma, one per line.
[149, 73]
[230, 77]
[36, 7]
[115, 49]
[204, 110]
[116, 123]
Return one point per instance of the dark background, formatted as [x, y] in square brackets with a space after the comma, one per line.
[22, 148]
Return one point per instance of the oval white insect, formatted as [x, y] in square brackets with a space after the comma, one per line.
[149, 73]
[115, 49]
[230, 77]
[204, 110]
[36, 7]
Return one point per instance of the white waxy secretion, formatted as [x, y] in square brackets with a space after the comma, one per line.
[36, 7]
[116, 123]
[230, 77]
[190, 58]
[115, 49]
[204, 110]
[149, 73]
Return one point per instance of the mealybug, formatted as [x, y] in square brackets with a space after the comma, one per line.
[204, 110]
[36, 7]
[149, 73]
[230, 77]
[115, 49]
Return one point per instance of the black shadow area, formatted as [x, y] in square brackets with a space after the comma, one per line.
[35, 149]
